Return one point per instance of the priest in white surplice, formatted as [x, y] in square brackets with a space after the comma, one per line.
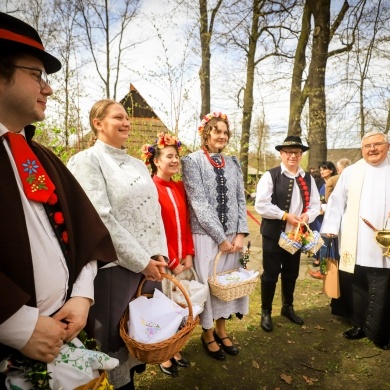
[363, 191]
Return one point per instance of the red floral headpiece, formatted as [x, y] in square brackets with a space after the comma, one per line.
[162, 141]
[207, 118]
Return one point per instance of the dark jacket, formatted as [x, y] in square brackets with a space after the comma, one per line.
[88, 237]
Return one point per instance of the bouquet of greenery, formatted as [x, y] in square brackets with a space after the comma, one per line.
[245, 256]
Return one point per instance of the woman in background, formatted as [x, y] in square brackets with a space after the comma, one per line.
[215, 191]
[126, 199]
[164, 160]
[327, 170]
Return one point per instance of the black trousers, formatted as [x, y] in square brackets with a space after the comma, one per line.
[371, 301]
[278, 261]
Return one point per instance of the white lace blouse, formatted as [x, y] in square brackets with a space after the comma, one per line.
[123, 193]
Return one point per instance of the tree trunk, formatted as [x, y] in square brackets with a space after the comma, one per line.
[248, 92]
[297, 98]
[204, 71]
[320, 9]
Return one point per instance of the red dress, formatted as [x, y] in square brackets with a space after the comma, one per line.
[176, 219]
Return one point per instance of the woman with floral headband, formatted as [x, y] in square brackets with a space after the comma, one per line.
[215, 191]
[164, 161]
[123, 193]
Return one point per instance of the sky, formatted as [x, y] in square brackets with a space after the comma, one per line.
[146, 69]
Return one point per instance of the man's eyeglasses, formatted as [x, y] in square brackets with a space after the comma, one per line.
[375, 145]
[289, 153]
[40, 76]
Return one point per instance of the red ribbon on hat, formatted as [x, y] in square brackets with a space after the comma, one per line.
[6, 34]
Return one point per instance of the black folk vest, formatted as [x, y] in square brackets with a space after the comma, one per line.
[283, 187]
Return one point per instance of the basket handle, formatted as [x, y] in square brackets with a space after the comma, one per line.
[215, 264]
[297, 231]
[178, 285]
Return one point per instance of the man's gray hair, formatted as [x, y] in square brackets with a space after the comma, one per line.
[372, 133]
[343, 163]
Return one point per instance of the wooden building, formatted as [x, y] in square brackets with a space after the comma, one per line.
[144, 122]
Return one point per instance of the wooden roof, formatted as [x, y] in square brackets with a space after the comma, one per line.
[144, 122]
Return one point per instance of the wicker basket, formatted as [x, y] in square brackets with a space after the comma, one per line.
[162, 351]
[94, 384]
[291, 246]
[230, 291]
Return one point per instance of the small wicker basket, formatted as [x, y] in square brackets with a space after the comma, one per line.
[229, 291]
[162, 351]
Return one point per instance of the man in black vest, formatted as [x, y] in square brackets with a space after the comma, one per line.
[286, 195]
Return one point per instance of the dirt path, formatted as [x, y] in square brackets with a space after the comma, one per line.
[314, 355]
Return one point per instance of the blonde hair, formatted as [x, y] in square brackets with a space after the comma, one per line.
[99, 111]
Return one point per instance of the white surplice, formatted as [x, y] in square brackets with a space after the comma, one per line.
[374, 206]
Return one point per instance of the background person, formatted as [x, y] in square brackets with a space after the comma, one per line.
[332, 181]
[126, 199]
[327, 170]
[215, 191]
[285, 196]
[165, 163]
[51, 235]
[363, 190]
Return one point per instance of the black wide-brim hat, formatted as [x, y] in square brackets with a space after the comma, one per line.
[19, 37]
[292, 141]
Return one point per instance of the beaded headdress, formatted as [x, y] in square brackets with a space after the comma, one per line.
[207, 118]
[162, 140]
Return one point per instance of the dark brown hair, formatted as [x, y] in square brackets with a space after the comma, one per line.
[212, 125]
[156, 154]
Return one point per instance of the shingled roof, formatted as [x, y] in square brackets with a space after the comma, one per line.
[144, 122]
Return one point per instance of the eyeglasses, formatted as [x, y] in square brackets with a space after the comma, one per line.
[41, 76]
[289, 154]
[375, 145]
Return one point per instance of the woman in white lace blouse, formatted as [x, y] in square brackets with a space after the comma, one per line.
[123, 193]
[215, 192]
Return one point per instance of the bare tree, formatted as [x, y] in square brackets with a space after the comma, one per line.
[258, 29]
[206, 32]
[314, 86]
[105, 24]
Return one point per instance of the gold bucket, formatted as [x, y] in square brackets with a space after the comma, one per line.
[382, 237]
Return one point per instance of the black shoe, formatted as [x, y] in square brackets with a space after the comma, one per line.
[231, 349]
[316, 263]
[266, 320]
[288, 312]
[382, 345]
[171, 370]
[183, 362]
[219, 354]
[355, 333]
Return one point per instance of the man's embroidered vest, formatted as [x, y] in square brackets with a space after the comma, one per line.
[283, 187]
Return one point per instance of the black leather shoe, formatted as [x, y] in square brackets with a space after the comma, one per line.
[183, 362]
[355, 333]
[171, 370]
[231, 349]
[219, 354]
[266, 320]
[385, 346]
[288, 312]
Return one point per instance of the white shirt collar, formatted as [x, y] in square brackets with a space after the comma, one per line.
[299, 172]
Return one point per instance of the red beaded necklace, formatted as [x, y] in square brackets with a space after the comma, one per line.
[212, 162]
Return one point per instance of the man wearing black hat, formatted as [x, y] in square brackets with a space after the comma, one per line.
[50, 233]
[286, 195]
